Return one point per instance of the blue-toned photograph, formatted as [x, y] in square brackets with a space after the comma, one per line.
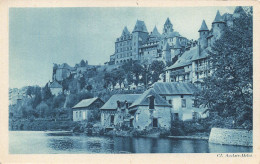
[112, 80]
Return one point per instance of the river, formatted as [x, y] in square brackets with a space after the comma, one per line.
[38, 142]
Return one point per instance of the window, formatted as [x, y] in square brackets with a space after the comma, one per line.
[155, 122]
[181, 96]
[183, 103]
[112, 117]
[170, 101]
[195, 103]
[176, 116]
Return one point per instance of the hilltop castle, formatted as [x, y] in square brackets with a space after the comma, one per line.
[143, 46]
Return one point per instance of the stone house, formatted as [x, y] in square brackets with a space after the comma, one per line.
[83, 110]
[55, 88]
[115, 111]
[181, 98]
[150, 110]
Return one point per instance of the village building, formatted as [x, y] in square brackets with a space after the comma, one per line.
[55, 88]
[83, 111]
[149, 111]
[115, 111]
[181, 98]
[193, 65]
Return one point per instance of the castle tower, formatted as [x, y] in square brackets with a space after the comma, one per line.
[177, 48]
[167, 28]
[166, 54]
[140, 35]
[155, 33]
[218, 26]
[238, 12]
[203, 31]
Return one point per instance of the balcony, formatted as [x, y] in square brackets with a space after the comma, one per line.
[201, 68]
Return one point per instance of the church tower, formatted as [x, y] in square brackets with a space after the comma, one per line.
[203, 31]
[167, 28]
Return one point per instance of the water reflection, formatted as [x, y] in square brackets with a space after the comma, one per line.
[25, 142]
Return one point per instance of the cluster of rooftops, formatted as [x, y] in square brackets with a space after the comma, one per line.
[158, 90]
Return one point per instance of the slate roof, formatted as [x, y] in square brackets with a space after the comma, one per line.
[218, 18]
[168, 22]
[155, 33]
[204, 26]
[174, 88]
[55, 84]
[125, 31]
[140, 26]
[143, 100]
[188, 56]
[86, 102]
[239, 9]
[171, 34]
[111, 104]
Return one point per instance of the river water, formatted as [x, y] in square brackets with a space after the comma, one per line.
[38, 142]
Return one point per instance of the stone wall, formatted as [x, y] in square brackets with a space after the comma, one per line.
[231, 136]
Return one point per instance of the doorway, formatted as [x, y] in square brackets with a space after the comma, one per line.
[155, 122]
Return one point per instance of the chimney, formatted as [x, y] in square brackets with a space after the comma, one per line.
[118, 104]
[126, 104]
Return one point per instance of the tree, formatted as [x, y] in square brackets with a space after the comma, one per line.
[38, 96]
[229, 90]
[46, 92]
[156, 68]
[120, 76]
[42, 109]
[82, 82]
[89, 87]
[82, 63]
[137, 70]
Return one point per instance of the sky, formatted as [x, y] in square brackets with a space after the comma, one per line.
[39, 37]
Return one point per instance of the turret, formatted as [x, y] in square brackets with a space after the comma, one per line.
[140, 36]
[203, 31]
[218, 25]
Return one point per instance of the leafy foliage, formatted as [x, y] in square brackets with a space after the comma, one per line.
[229, 90]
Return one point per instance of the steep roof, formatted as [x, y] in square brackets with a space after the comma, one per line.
[155, 33]
[184, 59]
[111, 104]
[203, 54]
[143, 100]
[218, 18]
[125, 31]
[55, 84]
[168, 22]
[171, 34]
[204, 26]
[174, 88]
[140, 26]
[86, 102]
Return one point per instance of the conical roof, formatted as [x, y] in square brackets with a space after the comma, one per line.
[168, 22]
[125, 31]
[140, 26]
[177, 44]
[204, 26]
[239, 9]
[155, 32]
[218, 18]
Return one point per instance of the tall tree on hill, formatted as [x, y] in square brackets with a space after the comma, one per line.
[229, 90]
[82, 63]
[38, 96]
[120, 76]
[137, 70]
[156, 68]
[46, 92]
